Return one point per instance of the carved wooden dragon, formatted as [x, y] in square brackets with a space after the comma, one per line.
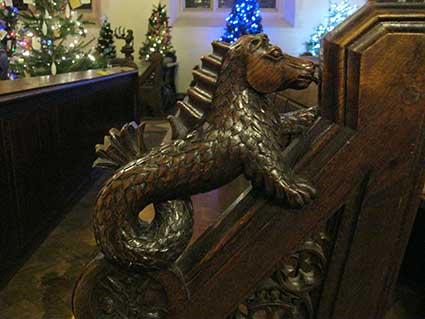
[225, 127]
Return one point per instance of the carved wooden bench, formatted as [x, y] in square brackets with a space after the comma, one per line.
[47, 129]
[337, 255]
[157, 87]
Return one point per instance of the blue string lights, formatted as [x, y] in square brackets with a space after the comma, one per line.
[338, 12]
[244, 19]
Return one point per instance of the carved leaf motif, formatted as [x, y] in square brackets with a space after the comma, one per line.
[287, 294]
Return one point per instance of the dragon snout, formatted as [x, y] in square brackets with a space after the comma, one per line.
[299, 63]
[307, 66]
[302, 72]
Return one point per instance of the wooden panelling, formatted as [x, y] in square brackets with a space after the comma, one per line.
[365, 156]
[47, 138]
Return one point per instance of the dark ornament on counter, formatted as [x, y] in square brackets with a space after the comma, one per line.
[4, 65]
[128, 49]
[225, 127]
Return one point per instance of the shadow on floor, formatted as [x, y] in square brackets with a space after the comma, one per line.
[42, 288]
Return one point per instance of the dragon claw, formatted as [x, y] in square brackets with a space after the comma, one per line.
[296, 194]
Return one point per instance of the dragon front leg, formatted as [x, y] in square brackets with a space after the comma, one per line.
[267, 169]
[298, 121]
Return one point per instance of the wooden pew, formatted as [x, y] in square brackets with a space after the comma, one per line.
[48, 129]
[365, 156]
[157, 87]
[338, 257]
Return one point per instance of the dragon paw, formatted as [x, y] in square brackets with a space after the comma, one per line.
[297, 193]
[307, 117]
[298, 121]
[312, 113]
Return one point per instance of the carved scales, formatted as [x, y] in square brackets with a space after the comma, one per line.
[225, 127]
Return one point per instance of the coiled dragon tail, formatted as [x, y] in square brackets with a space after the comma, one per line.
[121, 235]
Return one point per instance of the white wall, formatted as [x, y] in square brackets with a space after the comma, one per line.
[130, 14]
[191, 42]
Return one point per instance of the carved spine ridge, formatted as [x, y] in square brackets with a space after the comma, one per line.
[220, 49]
[211, 63]
[121, 147]
[200, 97]
[188, 115]
[207, 78]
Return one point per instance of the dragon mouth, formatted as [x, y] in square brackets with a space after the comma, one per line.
[309, 78]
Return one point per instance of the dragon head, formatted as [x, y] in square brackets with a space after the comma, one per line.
[269, 69]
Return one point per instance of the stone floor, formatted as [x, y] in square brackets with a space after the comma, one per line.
[42, 289]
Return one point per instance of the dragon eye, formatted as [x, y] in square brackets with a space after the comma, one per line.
[255, 42]
[276, 53]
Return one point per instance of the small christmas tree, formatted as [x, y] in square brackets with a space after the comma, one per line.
[105, 44]
[158, 38]
[338, 12]
[8, 21]
[244, 19]
[52, 40]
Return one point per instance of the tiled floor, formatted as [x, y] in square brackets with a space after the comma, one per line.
[42, 288]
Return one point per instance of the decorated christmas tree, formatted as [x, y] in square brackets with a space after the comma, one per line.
[52, 40]
[158, 37]
[105, 43]
[8, 21]
[244, 19]
[338, 12]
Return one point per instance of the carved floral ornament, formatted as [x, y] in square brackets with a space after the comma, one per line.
[288, 293]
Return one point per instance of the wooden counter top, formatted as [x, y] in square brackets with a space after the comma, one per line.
[41, 83]
[48, 129]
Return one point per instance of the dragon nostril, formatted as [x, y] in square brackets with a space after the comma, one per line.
[309, 66]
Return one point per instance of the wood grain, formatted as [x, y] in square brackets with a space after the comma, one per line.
[47, 132]
[370, 168]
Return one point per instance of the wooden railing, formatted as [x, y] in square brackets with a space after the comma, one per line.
[48, 129]
[338, 257]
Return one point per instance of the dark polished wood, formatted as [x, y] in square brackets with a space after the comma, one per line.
[292, 100]
[241, 133]
[49, 82]
[342, 160]
[210, 206]
[365, 158]
[48, 127]
[157, 86]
